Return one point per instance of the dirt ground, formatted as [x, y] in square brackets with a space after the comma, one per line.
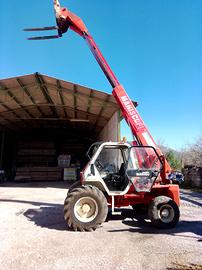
[33, 235]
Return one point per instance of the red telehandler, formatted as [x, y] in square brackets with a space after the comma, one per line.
[117, 173]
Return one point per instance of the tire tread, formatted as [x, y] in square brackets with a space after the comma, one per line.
[80, 191]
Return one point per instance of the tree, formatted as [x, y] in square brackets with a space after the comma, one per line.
[174, 162]
[193, 154]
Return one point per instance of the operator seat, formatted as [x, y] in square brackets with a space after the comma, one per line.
[122, 169]
[123, 180]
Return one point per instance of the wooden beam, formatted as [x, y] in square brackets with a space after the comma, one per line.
[44, 118]
[45, 92]
[59, 88]
[62, 106]
[2, 148]
[113, 104]
[6, 119]
[15, 99]
[89, 101]
[78, 93]
[25, 89]
[17, 102]
[9, 123]
[101, 110]
[75, 101]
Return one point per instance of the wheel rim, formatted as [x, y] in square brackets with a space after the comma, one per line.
[86, 209]
[166, 213]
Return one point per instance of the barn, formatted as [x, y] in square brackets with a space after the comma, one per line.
[47, 125]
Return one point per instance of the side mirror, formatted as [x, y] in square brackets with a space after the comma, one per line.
[92, 169]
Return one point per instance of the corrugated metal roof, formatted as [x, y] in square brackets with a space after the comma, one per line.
[39, 101]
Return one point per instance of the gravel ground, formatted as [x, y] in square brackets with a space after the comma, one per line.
[33, 235]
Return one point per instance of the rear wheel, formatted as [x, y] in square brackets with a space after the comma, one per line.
[85, 208]
[163, 212]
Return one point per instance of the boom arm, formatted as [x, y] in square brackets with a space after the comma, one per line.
[66, 19]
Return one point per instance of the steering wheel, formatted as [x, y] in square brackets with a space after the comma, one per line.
[99, 164]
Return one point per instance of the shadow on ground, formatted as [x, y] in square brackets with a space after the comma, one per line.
[140, 224]
[50, 215]
[38, 184]
[193, 197]
[177, 266]
[47, 217]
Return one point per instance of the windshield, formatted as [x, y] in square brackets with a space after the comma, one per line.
[143, 158]
[143, 167]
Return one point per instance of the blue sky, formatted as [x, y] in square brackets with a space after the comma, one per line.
[153, 46]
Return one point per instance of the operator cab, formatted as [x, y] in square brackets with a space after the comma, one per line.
[111, 164]
[119, 165]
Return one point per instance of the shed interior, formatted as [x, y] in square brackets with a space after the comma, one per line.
[47, 125]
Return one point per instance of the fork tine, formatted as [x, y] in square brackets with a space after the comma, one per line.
[44, 37]
[42, 28]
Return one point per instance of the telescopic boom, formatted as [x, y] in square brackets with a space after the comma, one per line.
[68, 20]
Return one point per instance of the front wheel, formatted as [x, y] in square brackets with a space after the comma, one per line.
[163, 212]
[74, 185]
[85, 208]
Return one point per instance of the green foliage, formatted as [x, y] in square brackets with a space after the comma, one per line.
[174, 162]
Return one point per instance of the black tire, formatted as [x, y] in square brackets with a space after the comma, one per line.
[74, 185]
[167, 219]
[85, 208]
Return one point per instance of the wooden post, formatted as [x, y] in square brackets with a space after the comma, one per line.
[2, 148]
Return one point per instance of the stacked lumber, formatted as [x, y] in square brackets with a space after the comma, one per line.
[77, 150]
[38, 173]
[37, 161]
[36, 154]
